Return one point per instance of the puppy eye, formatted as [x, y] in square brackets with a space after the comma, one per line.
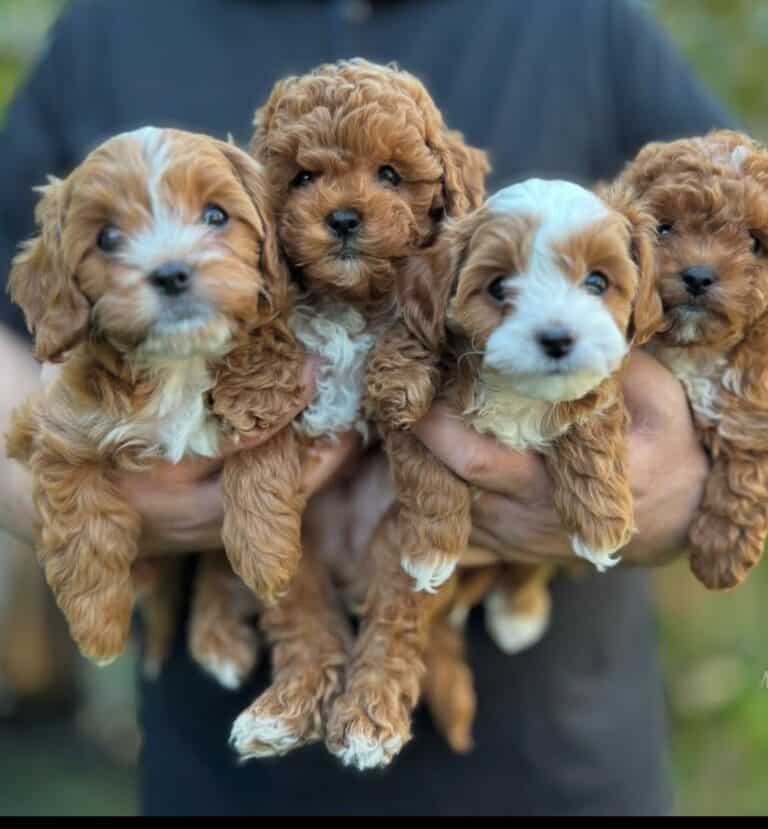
[496, 289]
[596, 283]
[214, 215]
[109, 239]
[302, 178]
[757, 245]
[389, 175]
[664, 229]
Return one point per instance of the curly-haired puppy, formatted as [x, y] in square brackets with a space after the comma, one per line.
[533, 303]
[710, 198]
[363, 172]
[156, 274]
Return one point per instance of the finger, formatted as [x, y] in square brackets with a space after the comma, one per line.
[322, 462]
[654, 397]
[481, 459]
[229, 446]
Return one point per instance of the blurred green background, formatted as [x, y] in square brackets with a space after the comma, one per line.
[713, 646]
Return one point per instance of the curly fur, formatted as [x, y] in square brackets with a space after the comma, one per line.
[341, 125]
[710, 198]
[149, 378]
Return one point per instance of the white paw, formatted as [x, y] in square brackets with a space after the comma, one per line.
[367, 752]
[457, 618]
[224, 671]
[105, 663]
[602, 559]
[255, 736]
[514, 632]
[429, 572]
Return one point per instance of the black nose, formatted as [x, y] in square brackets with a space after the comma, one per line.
[556, 342]
[172, 278]
[344, 223]
[698, 279]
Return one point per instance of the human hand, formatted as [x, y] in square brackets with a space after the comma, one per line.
[513, 511]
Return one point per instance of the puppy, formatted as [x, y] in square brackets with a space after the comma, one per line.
[363, 172]
[710, 199]
[156, 275]
[533, 303]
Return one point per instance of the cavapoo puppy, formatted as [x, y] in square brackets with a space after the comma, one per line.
[710, 199]
[156, 275]
[533, 303]
[363, 172]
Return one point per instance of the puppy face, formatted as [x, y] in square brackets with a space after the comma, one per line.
[548, 289]
[158, 242]
[710, 198]
[363, 170]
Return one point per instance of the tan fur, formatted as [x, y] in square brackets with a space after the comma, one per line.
[343, 123]
[126, 377]
[713, 192]
[583, 441]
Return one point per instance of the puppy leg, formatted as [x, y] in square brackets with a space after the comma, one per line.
[371, 721]
[87, 545]
[262, 514]
[158, 594]
[435, 511]
[310, 641]
[729, 530]
[517, 611]
[449, 688]
[220, 639]
[588, 466]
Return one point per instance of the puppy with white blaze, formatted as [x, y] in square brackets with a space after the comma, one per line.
[156, 282]
[535, 301]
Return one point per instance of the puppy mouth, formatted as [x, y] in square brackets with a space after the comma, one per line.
[187, 315]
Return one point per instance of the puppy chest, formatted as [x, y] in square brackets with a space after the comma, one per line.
[175, 419]
[339, 336]
[702, 375]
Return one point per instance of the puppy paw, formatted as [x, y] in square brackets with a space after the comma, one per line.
[228, 653]
[722, 553]
[603, 559]
[105, 640]
[367, 730]
[429, 571]
[514, 632]
[286, 716]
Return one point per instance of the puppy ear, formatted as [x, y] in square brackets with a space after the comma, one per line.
[43, 284]
[464, 172]
[647, 310]
[428, 280]
[273, 266]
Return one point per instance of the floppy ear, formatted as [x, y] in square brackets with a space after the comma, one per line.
[647, 310]
[273, 265]
[428, 279]
[43, 285]
[464, 172]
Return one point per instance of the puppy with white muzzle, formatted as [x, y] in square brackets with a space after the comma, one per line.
[534, 304]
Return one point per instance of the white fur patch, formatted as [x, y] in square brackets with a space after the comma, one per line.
[513, 632]
[225, 672]
[271, 734]
[429, 572]
[702, 374]
[458, 616]
[175, 418]
[602, 559]
[368, 753]
[337, 333]
[517, 421]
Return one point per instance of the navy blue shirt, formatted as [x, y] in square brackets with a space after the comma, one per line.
[555, 88]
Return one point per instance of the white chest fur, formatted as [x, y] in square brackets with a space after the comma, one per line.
[175, 417]
[339, 335]
[517, 421]
[702, 374]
